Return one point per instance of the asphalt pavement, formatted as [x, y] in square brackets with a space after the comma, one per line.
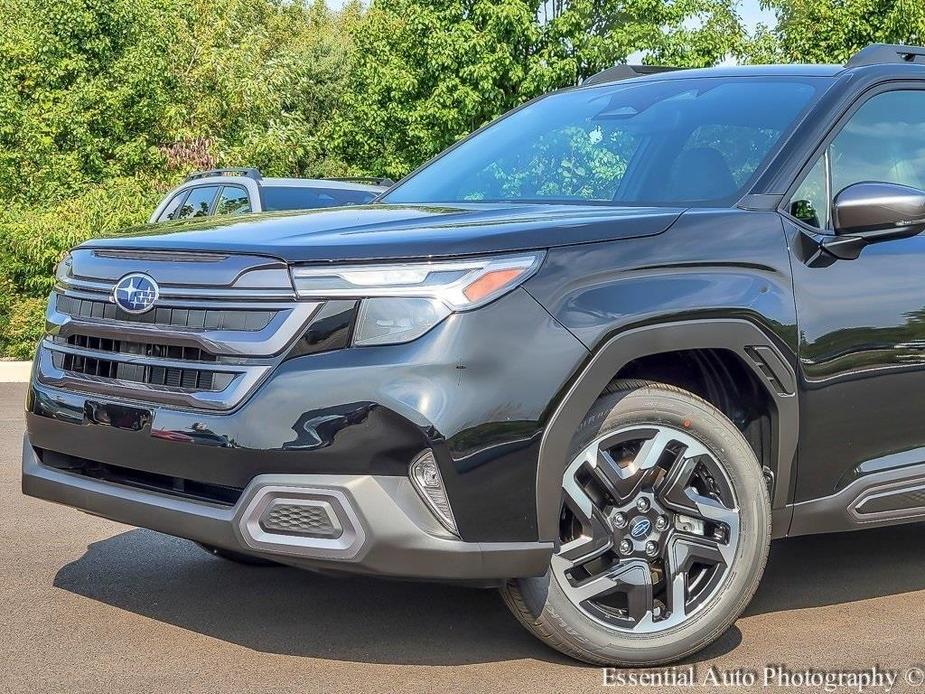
[89, 605]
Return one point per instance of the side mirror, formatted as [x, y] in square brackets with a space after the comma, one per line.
[865, 213]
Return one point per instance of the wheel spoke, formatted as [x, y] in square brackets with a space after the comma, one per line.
[634, 579]
[673, 490]
[624, 481]
[595, 538]
[713, 510]
[684, 551]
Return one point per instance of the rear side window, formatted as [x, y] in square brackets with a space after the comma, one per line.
[170, 212]
[198, 203]
[297, 198]
[233, 200]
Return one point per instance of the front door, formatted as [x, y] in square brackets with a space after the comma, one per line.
[861, 322]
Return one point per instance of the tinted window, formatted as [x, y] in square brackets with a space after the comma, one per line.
[883, 141]
[233, 200]
[170, 212]
[198, 203]
[300, 198]
[810, 203]
[675, 141]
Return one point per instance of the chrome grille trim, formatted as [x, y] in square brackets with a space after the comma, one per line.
[282, 329]
[178, 291]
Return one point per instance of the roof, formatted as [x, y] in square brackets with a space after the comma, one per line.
[735, 71]
[329, 183]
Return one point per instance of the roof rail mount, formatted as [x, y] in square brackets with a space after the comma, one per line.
[372, 180]
[230, 171]
[625, 72]
[880, 53]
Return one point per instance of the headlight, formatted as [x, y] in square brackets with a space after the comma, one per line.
[402, 301]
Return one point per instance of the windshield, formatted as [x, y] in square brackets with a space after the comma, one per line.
[676, 142]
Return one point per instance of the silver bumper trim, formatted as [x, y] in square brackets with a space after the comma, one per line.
[394, 533]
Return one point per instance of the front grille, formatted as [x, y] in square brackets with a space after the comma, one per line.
[203, 346]
[146, 349]
[200, 319]
[151, 481]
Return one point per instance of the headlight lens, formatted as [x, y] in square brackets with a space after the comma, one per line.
[385, 321]
[402, 301]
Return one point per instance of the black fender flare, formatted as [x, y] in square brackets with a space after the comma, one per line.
[744, 338]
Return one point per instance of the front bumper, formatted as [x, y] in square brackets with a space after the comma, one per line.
[360, 523]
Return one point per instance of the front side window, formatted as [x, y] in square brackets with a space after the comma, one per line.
[170, 212]
[811, 202]
[691, 142]
[198, 203]
[883, 142]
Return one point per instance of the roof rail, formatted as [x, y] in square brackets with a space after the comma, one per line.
[624, 72]
[231, 171]
[880, 53]
[371, 180]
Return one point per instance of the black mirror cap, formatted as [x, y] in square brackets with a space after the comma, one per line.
[879, 209]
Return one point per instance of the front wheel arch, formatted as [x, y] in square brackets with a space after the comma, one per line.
[744, 338]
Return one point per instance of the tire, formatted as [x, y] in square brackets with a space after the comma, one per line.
[236, 557]
[600, 634]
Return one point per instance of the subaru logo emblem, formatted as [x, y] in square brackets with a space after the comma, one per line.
[135, 293]
[641, 528]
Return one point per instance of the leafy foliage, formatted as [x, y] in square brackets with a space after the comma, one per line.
[830, 31]
[104, 104]
[35, 238]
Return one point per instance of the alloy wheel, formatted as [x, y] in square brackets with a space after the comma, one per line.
[649, 528]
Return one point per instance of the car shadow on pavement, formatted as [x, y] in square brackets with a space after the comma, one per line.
[359, 619]
[831, 569]
[290, 612]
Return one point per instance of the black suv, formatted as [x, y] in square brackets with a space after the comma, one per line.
[600, 353]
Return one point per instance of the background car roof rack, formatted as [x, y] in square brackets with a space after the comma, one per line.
[880, 53]
[231, 171]
[625, 72]
[372, 180]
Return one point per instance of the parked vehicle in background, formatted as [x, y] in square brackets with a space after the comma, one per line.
[238, 191]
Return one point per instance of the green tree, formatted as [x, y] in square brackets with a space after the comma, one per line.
[426, 73]
[95, 89]
[830, 31]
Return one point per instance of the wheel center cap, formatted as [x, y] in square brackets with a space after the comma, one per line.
[640, 528]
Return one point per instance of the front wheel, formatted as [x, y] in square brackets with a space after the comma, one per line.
[664, 532]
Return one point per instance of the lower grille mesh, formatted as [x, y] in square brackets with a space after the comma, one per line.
[298, 519]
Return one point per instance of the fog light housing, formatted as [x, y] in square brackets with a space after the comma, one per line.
[425, 476]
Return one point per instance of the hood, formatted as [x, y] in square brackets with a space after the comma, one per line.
[374, 232]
